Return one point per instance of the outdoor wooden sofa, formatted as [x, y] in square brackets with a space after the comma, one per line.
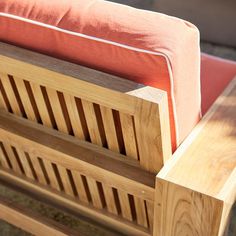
[100, 145]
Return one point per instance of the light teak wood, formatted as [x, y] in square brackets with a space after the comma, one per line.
[99, 142]
[197, 188]
[125, 117]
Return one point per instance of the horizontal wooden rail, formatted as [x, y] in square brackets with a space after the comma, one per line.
[32, 222]
[102, 87]
[61, 200]
[67, 68]
[101, 164]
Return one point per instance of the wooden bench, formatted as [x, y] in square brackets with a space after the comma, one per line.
[100, 145]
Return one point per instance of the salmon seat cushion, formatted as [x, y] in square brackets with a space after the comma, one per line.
[146, 47]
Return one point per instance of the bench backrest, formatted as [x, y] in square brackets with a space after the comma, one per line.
[114, 113]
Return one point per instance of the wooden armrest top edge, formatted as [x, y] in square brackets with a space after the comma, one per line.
[193, 164]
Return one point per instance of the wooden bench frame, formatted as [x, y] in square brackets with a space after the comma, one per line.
[100, 145]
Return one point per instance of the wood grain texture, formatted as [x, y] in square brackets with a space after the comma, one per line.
[150, 213]
[12, 158]
[143, 105]
[79, 185]
[25, 99]
[110, 129]
[142, 218]
[74, 117]
[181, 211]
[203, 169]
[51, 175]
[152, 128]
[3, 158]
[7, 86]
[75, 87]
[107, 111]
[25, 164]
[128, 130]
[98, 163]
[40, 103]
[57, 110]
[38, 170]
[2, 101]
[63, 201]
[125, 206]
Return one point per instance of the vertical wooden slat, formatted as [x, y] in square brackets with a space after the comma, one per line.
[77, 127]
[25, 99]
[74, 116]
[150, 212]
[61, 124]
[129, 135]
[95, 136]
[25, 163]
[65, 180]
[2, 102]
[57, 110]
[51, 175]
[112, 142]
[38, 170]
[42, 108]
[141, 212]
[125, 208]
[110, 199]
[79, 186]
[96, 198]
[12, 158]
[78, 130]
[91, 120]
[110, 130]
[10, 94]
[3, 159]
[113, 145]
[132, 151]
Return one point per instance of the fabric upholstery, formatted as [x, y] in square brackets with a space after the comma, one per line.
[143, 46]
[216, 74]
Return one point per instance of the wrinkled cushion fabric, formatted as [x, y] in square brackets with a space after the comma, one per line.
[143, 46]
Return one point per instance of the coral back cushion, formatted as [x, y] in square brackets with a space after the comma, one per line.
[216, 74]
[146, 47]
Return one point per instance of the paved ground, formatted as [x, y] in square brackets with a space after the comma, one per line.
[89, 228]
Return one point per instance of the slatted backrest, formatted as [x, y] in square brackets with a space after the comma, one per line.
[79, 172]
[128, 120]
[117, 114]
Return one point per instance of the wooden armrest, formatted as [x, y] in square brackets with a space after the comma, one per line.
[196, 188]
